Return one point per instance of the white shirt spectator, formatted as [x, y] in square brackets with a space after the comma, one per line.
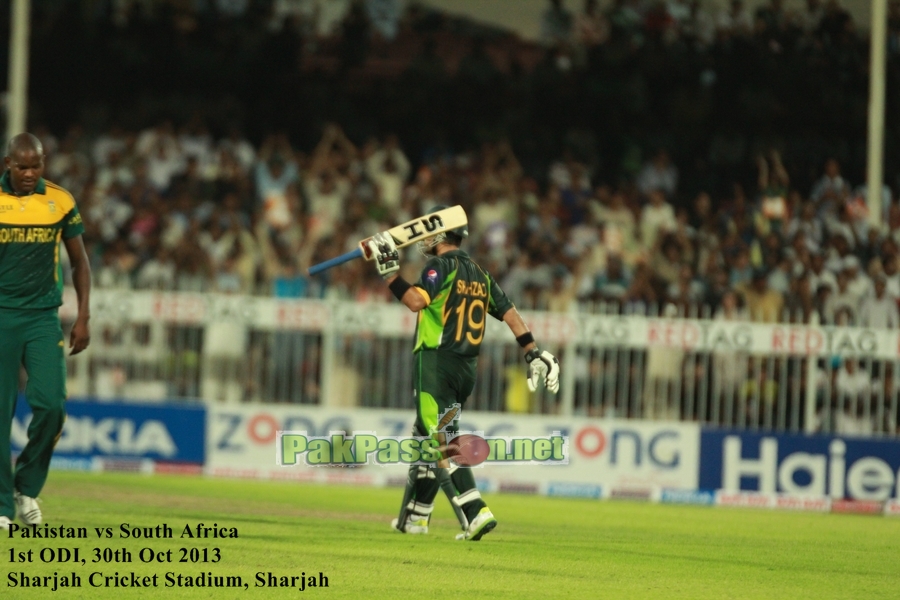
[375, 162]
[658, 174]
[275, 178]
[149, 140]
[198, 144]
[113, 172]
[241, 149]
[158, 273]
[735, 21]
[104, 145]
[326, 205]
[852, 382]
[879, 311]
[837, 185]
[109, 213]
[823, 277]
[162, 166]
[385, 16]
[655, 218]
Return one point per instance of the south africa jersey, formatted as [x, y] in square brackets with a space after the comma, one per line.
[460, 295]
[31, 229]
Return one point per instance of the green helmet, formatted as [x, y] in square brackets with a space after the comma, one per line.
[427, 246]
[462, 231]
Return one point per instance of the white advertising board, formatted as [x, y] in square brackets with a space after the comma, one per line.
[605, 454]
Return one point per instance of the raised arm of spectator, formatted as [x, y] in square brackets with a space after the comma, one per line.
[779, 176]
[512, 168]
[321, 158]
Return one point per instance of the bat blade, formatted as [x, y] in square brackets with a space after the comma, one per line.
[428, 226]
[404, 235]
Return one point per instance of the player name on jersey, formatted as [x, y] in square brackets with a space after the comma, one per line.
[471, 288]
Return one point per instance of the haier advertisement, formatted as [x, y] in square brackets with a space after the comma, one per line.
[797, 465]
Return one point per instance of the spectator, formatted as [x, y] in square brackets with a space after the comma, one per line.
[667, 260]
[686, 292]
[591, 26]
[842, 299]
[892, 275]
[819, 275]
[658, 175]
[612, 283]
[854, 388]
[617, 219]
[556, 24]
[657, 218]
[858, 283]
[807, 223]
[158, 273]
[384, 15]
[879, 311]
[763, 304]
[735, 20]
[831, 190]
[729, 367]
[801, 301]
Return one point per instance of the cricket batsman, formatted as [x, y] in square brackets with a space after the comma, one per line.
[35, 217]
[453, 297]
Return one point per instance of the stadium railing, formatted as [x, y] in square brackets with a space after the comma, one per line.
[231, 349]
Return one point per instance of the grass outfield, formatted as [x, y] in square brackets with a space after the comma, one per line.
[543, 547]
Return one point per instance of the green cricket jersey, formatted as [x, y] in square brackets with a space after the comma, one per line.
[31, 229]
[460, 295]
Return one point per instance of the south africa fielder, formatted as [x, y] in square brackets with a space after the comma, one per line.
[453, 297]
[35, 217]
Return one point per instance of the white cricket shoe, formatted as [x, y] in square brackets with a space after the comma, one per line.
[413, 526]
[4, 523]
[28, 510]
[479, 526]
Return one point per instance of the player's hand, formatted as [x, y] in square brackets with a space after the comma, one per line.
[387, 257]
[81, 336]
[542, 367]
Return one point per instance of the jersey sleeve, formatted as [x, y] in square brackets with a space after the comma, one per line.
[432, 278]
[72, 225]
[498, 303]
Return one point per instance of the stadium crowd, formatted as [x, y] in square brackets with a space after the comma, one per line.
[630, 159]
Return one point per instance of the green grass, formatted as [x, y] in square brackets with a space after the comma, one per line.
[542, 548]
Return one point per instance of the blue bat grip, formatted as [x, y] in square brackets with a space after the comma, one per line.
[337, 260]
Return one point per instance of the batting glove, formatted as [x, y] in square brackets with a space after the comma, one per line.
[387, 257]
[542, 366]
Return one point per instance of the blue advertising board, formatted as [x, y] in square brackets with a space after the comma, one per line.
[812, 466]
[167, 432]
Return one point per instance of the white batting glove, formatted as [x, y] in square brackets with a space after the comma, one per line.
[542, 367]
[387, 257]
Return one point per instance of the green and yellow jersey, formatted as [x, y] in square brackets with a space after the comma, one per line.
[31, 229]
[460, 295]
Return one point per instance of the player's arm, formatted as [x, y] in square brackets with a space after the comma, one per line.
[81, 278]
[387, 261]
[542, 366]
[412, 296]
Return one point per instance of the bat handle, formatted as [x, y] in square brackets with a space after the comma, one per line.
[337, 260]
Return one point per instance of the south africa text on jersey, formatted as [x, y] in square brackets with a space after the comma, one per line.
[27, 235]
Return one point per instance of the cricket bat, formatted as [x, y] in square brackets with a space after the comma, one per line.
[408, 233]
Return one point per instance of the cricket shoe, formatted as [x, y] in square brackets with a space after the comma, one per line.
[28, 510]
[479, 526]
[413, 526]
[4, 523]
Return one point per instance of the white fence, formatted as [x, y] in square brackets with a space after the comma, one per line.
[338, 354]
